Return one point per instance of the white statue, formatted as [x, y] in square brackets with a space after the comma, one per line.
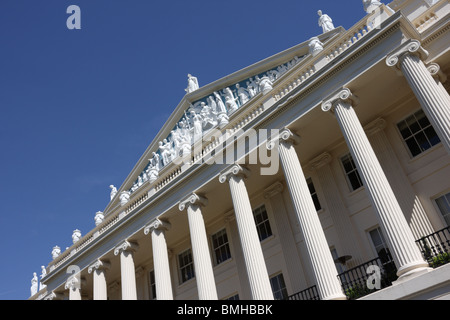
[124, 197]
[208, 117]
[315, 46]
[192, 84]
[325, 22]
[371, 5]
[165, 148]
[99, 217]
[43, 274]
[113, 192]
[198, 125]
[56, 252]
[34, 284]
[252, 89]
[154, 162]
[265, 85]
[76, 236]
[242, 94]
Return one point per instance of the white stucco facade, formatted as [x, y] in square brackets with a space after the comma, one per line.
[348, 181]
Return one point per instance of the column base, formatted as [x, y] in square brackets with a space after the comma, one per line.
[338, 297]
[409, 272]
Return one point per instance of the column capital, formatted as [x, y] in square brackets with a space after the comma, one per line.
[234, 170]
[54, 296]
[341, 95]
[436, 72]
[409, 47]
[192, 199]
[157, 224]
[320, 161]
[273, 190]
[285, 135]
[125, 246]
[99, 265]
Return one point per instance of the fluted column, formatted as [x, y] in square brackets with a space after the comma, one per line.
[349, 239]
[127, 269]
[160, 259]
[405, 252]
[408, 200]
[99, 269]
[322, 262]
[434, 101]
[251, 246]
[204, 273]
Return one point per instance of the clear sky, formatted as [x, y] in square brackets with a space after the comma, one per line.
[80, 107]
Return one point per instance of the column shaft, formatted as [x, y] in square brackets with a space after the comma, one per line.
[251, 246]
[321, 259]
[405, 252]
[204, 273]
[161, 265]
[127, 269]
[100, 286]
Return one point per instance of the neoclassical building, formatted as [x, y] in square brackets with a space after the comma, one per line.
[321, 172]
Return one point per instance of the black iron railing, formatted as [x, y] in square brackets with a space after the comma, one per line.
[436, 247]
[367, 278]
[307, 294]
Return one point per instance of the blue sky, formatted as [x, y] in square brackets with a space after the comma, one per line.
[80, 107]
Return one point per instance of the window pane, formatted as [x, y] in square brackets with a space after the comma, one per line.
[262, 223]
[444, 207]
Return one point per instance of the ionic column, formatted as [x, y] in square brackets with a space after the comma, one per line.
[251, 246]
[322, 262]
[200, 250]
[350, 241]
[434, 101]
[406, 254]
[99, 269]
[160, 259]
[73, 284]
[127, 269]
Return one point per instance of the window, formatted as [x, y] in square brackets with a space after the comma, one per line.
[186, 265]
[233, 297]
[152, 285]
[313, 192]
[418, 134]
[443, 204]
[380, 246]
[221, 247]
[351, 172]
[262, 223]
[279, 287]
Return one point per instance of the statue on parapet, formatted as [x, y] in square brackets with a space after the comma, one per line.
[192, 84]
[325, 22]
[371, 5]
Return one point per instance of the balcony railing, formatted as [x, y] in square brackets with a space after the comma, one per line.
[436, 247]
[307, 294]
[367, 278]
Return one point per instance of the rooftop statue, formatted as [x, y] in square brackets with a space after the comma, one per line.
[99, 217]
[56, 252]
[113, 191]
[325, 22]
[192, 84]
[124, 197]
[76, 236]
[371, 5]
[43, 274]
[34, 284]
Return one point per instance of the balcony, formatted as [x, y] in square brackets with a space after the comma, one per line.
[435, 247]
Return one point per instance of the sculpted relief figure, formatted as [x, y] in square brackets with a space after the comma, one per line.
[265, 85]
[242, 94]
[192, 84]
[325, 22]
[208, 116]
[197, 120]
